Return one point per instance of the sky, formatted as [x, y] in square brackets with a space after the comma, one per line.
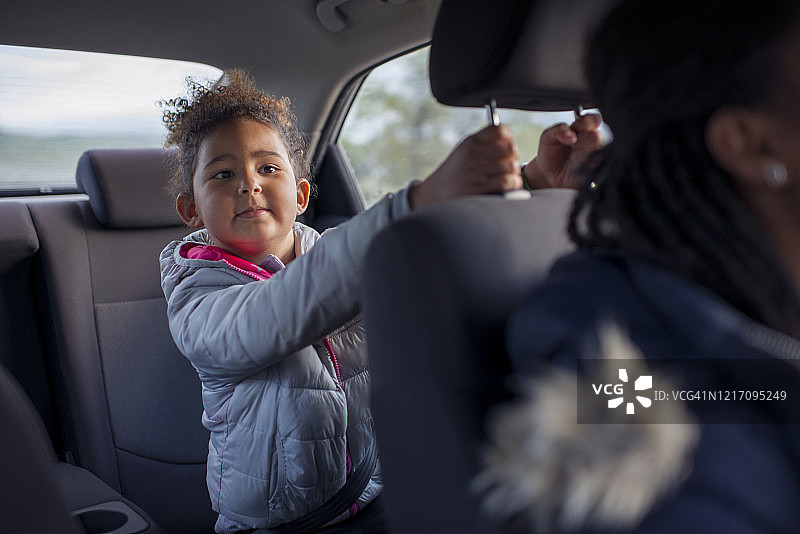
[83, 95]
[64, 92]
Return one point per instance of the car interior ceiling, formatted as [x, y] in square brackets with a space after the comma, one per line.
[80, 288]
[270, 46]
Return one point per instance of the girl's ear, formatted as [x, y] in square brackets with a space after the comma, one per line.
[303, 195]
[738, 140]
[188, 211]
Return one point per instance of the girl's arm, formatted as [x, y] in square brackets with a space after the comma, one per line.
[230, 331]
[233, 329]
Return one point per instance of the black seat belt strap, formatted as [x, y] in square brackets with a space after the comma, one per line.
[341, 501]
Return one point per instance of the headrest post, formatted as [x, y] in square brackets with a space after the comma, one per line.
[494, 116]
[577, 109]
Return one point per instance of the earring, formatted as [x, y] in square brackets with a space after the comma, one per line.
[776, 175]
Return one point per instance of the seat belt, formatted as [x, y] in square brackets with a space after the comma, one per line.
[341, 501]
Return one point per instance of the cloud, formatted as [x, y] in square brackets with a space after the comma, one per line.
[64, 92]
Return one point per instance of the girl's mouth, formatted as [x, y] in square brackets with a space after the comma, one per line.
[252, 212]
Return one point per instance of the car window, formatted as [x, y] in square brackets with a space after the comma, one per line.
[396, 131]
[55, 104]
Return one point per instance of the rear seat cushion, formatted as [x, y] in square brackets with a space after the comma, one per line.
[121, 188]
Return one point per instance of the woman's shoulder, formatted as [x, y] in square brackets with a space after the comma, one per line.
[586, 289]
[580, 290]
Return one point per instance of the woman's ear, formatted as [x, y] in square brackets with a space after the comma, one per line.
[738, 141]
[188, 211]
[303, 195]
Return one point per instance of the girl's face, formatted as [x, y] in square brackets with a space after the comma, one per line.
[245, 191]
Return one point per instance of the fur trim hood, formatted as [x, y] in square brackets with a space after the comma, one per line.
[546, 472]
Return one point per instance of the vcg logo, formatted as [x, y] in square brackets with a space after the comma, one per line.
[642, 383]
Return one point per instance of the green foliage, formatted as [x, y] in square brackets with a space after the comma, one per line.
[397, 132]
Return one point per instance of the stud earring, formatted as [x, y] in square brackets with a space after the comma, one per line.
[776, 175]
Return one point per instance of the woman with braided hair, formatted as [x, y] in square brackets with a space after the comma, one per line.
[688, 273]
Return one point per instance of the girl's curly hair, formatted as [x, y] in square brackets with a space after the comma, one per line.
[234, 96]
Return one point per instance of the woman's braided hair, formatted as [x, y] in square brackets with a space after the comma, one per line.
[234, 96]
[658, 71]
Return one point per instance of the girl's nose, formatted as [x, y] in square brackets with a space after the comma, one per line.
[249, 186]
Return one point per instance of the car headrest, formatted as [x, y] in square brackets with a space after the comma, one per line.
[127, 187]
[525, 54]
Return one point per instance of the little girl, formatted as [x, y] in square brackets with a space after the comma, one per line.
[266, 309]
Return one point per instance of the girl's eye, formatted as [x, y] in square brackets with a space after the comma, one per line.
[269, 169]
[223, 175]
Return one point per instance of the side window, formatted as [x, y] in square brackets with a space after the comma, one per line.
[396, 131]
[55, 104]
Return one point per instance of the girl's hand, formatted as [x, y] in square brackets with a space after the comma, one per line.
[562, 151]
[484, 162]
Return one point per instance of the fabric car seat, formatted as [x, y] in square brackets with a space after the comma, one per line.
[130, 402]
[31, 498]
[440, 284]
[41, 495]
[438, 287]
[21, 351]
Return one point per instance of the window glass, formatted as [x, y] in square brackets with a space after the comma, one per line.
[396, 131]
[55, 104]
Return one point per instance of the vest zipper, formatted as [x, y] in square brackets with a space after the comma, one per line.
[244, 271]
[348, 459]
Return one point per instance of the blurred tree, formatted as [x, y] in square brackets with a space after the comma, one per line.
[397, 132]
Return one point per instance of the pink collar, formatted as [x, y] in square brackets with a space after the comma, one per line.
[212, 253]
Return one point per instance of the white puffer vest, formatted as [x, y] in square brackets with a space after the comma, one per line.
[284, 368]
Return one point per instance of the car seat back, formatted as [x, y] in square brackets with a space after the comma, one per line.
[31, 498]
[21, 349]
[439, 286]
[133, 402]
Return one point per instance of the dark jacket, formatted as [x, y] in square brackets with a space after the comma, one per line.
[741, 458]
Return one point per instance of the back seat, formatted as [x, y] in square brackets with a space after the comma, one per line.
[31, 500]
[88, 338]
[21, 351]
[39, 492]
[437, 345]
